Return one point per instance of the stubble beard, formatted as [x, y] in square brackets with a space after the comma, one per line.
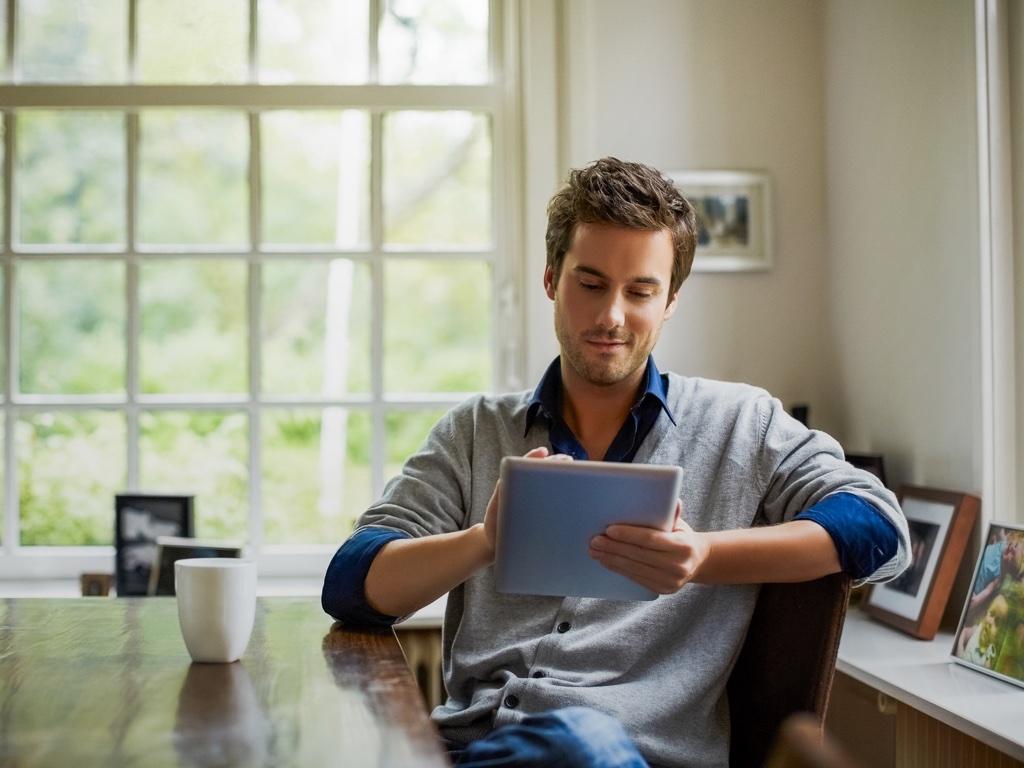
[602, 373]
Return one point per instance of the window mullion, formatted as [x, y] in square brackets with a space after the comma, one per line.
[374, 50]
[8, 183]
[133, 41]
[12, 39]
[12, 522]
[377, 451]
[253, 39]
[254, 303]
[132, 319]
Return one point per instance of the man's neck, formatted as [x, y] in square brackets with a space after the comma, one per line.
[594, 412]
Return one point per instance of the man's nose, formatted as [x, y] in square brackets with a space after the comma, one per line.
[612, 313]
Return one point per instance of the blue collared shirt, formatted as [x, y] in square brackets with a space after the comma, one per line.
[546, 406]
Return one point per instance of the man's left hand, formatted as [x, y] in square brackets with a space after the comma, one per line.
[662, 561]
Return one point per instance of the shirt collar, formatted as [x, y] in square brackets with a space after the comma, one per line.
[547, 397]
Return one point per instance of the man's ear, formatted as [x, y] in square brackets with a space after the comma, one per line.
[672, 304]
[549, 282]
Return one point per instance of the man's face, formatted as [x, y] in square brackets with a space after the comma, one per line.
[611, 300]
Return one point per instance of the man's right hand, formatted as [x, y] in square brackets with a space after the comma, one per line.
[494, 505]
[407, 574]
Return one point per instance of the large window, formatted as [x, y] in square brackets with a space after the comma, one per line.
[250, 252]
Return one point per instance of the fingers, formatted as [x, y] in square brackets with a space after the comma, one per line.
[544, 453]
[648, 538]
[666, 558]
[663, 580]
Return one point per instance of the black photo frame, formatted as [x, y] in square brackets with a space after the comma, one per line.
[139, 519]
[171, 549]
[870, 462]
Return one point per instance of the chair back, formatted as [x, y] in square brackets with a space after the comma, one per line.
[786, 662]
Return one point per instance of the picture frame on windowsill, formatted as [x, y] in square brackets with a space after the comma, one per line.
[990, 635]
[139, 520]
[940, 523]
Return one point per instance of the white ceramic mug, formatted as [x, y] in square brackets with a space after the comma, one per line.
[216, 606]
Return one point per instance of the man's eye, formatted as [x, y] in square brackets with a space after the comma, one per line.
[642, 294]
[590, 286]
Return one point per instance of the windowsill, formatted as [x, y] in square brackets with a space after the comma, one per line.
[923, 675]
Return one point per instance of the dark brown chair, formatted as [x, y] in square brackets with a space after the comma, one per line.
[786, 663]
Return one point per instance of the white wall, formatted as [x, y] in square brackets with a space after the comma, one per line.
[1016, 46]
[864, 114]
[705, 85]
[903, 279]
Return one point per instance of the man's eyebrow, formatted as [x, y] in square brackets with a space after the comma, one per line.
[643, 279]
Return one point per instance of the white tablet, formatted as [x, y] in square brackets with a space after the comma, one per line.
[551, 509]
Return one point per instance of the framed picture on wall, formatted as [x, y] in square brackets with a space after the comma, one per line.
[990, 637]
[734, 217]
[940, 525]
[139, 519]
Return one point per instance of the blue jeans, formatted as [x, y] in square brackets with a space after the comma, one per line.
[576, 737]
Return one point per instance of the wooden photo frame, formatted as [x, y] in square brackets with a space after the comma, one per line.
[139, 519]
[940, 525]
[990, 636]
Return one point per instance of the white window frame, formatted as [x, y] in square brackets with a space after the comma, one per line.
[499, 99]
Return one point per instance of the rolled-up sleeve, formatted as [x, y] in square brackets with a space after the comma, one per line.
[800, 468]
[344, 593]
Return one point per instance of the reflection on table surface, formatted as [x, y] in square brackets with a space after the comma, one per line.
[99, 681]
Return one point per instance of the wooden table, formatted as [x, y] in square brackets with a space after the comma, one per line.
[104, 681]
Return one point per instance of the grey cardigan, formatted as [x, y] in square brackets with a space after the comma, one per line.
[660, 667]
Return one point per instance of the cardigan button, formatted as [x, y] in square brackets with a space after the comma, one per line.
[564, 627]
[511, 701]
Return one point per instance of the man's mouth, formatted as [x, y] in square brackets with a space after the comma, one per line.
[606, 344]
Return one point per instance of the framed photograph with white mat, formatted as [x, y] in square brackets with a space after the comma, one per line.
[734, 219]
[940, 525]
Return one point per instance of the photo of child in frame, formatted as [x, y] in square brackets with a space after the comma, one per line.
[991, 632]
[922, 539]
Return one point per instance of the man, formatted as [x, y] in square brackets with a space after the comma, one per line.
[537, 680]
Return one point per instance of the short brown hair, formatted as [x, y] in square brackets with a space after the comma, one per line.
[612, 191]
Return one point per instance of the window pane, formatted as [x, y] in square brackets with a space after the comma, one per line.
[193, 336]
[316, 328]
[70, 465]
[437, 179]
[203, 453]
[71, 325]
[316, 474]
[405, 432]
[192, 179]
[315, 178]
[193, 41]
[434, 41]
[70, 177]
[313, 41]
[437, 326]
[76, 42]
